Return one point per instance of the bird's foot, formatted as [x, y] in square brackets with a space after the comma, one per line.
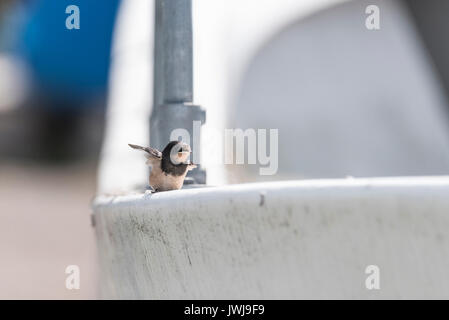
[150, 189]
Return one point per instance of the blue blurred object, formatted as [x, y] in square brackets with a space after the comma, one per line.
[68, 64]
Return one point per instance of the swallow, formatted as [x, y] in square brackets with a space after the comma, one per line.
[169, 167]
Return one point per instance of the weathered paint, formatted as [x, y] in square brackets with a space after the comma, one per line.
[297, 239]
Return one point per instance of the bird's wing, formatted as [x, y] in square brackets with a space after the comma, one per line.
[151, 152]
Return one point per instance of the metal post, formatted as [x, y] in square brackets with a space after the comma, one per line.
[173, 80]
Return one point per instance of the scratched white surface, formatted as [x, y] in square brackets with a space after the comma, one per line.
[298, 239]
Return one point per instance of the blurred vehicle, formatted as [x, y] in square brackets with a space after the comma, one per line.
[62, 75]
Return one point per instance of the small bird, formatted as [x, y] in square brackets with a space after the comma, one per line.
[169, 167]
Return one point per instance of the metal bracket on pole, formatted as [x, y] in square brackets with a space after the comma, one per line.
[173, 80]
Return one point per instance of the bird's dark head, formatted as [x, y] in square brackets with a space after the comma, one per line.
[178, 152]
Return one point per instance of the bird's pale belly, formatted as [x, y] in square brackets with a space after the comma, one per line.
[161, 181]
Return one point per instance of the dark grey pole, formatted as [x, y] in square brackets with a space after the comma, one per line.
[178, 54]
[173, 80]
